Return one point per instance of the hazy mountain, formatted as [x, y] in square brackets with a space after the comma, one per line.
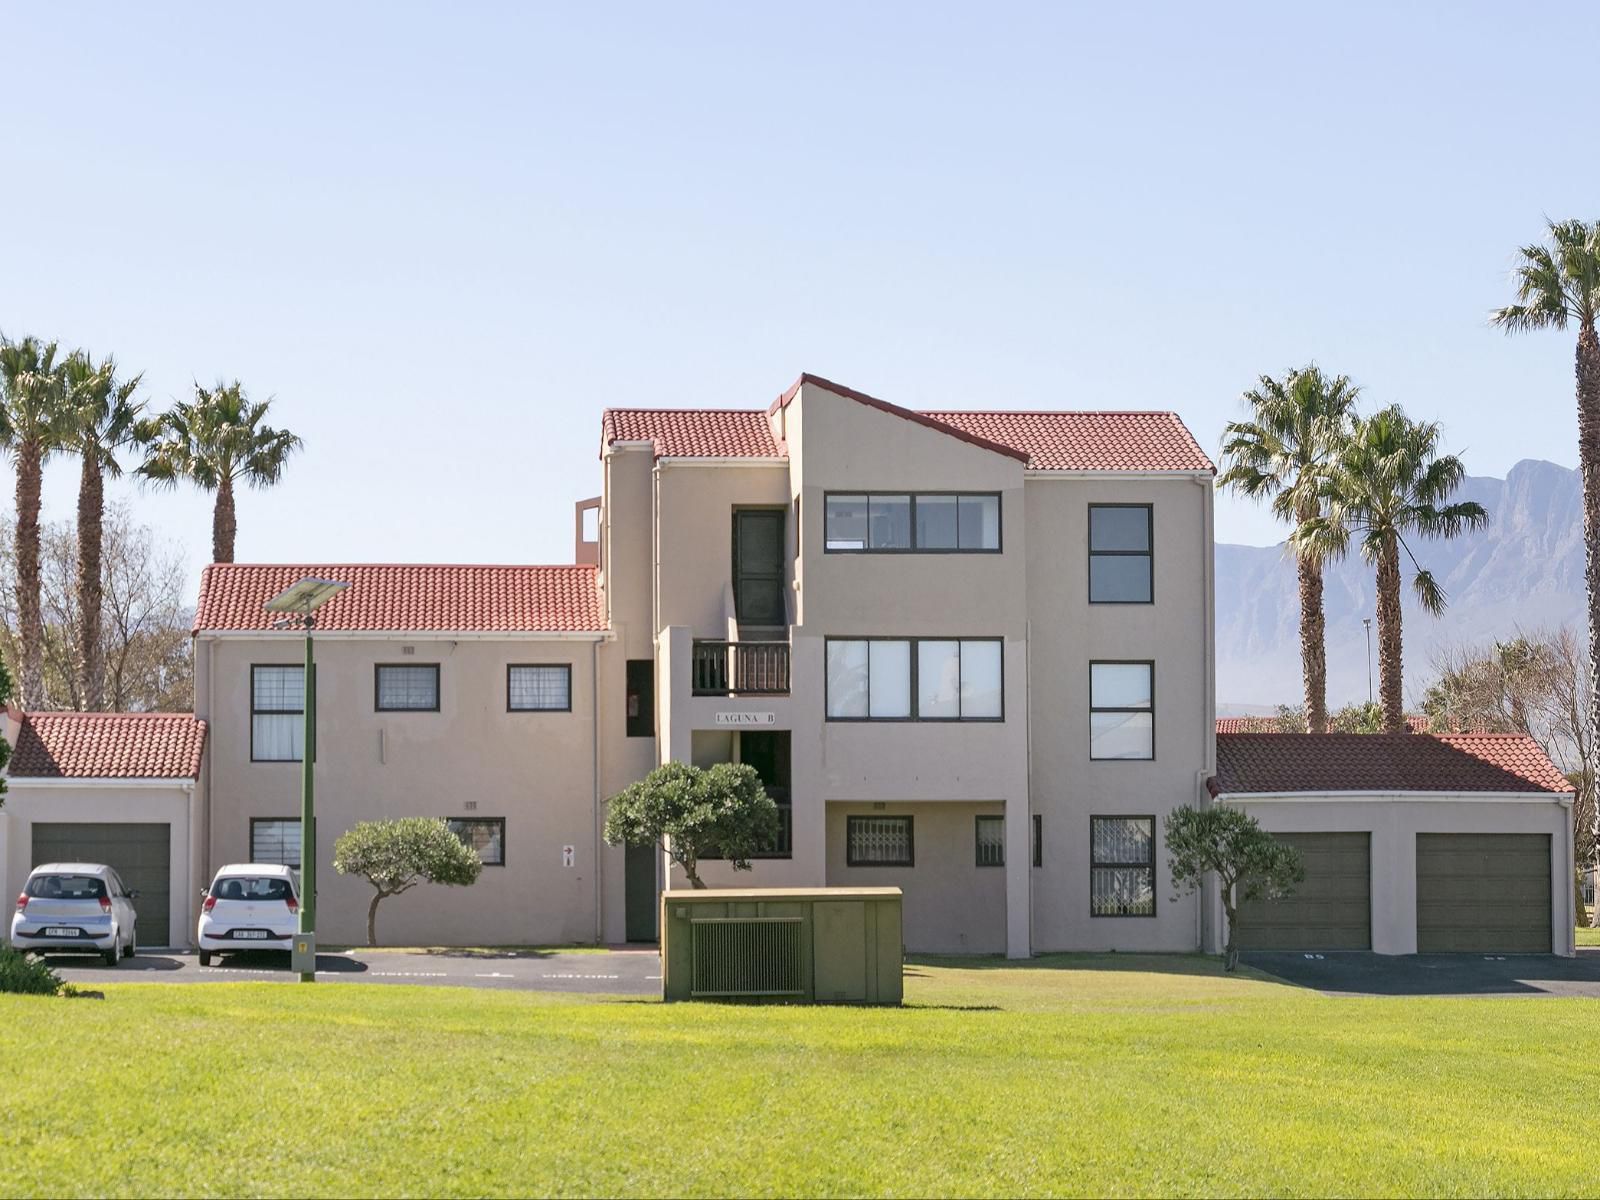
[1525, 568]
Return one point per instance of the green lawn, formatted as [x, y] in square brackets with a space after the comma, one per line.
[1588, 937]
[1090, 1075]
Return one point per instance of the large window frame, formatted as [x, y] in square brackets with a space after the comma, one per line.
[545, 666]
[377, 688]
[276, 712]
[1096, 865]
[913, 548]
[1149, 552]
[452, 822]
[913, 644]
[295, 821]
[1118, 708]
[854, 821]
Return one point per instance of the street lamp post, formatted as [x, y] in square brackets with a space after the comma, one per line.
[299, 604]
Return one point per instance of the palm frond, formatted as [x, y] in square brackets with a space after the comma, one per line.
[1429, 594]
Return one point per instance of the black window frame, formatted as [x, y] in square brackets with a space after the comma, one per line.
[640, 681]
[500, 821]
[254, 821]
[913, 548]
[1093, 708]
[377, 686]
[1038, 839]
[977, 835]
[1150, 866]
[277, 712]
[850, 823]
[912, 717]
[1149, 552]
[562, 666]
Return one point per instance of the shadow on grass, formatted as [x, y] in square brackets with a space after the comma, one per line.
[1207, 966]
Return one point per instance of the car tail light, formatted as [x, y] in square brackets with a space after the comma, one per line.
[105, 904]
[211, 902]
[22, 902]
[294, 905]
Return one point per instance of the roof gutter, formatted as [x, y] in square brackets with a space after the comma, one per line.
[185, 782]
[1436, 797]
[405, 635]
[689, 460]
[1036, 473]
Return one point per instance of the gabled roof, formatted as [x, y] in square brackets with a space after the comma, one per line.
[1415, 722]
[75, 745]
[1042, 441]
[409, 598]
[1272, 763]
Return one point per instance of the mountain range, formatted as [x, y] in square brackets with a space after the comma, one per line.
[1525, 569]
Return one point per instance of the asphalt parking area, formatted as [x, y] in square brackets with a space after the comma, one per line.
[616, 972]
[1351, 974]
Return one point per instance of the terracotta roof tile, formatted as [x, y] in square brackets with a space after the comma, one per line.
[410, 598]
[1381, 762]
[1414, 721]
[693, 432]
[74, 745]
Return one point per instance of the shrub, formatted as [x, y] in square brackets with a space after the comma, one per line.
[395, 856]
[26, 974]
[694, 812]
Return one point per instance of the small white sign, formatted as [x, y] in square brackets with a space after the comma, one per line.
[746, 718]
[569, 855]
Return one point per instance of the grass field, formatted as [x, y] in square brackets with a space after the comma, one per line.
[1092, 1076]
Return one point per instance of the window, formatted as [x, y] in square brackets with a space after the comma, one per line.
[411, 688]
[991, 841]
[277, 713]
[641, 697]
[902, 522]
[486, 835]
[1120, 570]
[915, 679]
[878, 842]
[275, 840]
[538, 688]
[1038, 839]
[1122, 710]
[1122, 866]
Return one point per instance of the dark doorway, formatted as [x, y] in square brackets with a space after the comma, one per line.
[641, 697]
[767, 750]
[758, 566]
[639, 880]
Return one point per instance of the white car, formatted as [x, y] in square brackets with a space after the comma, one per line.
[249, 906]
[76, 906]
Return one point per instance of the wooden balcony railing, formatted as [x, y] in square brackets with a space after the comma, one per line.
[739, 668]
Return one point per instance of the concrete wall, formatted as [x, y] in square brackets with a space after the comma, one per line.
[1394, 823]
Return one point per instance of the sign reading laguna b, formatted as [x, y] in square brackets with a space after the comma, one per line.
[746, 718]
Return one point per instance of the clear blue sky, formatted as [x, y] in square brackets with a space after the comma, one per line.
[444, 238]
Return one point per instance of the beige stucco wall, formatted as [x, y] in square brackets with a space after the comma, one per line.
[1395, 821]
[537, 770]
[170, 803]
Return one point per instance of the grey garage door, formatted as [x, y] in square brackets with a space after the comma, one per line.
[1331, 910]
[140, 853]
[1483, 893]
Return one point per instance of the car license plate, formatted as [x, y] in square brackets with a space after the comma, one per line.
[59, 931]
[250, 933]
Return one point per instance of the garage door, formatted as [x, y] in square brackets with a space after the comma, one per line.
[1331, 910]
[1483, 893]
[139, 853]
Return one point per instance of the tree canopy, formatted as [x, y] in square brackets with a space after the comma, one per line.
[395, 856]
[694, 813]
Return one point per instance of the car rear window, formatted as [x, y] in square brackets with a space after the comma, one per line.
[238, 887]
[66, 887]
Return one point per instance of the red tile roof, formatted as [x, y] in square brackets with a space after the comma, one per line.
[410, 598]
[1382, 762]
[1044, 441]
[74, 745]
[1416, 722]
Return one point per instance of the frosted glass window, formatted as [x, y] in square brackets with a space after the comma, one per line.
[938, 680]
[889, 683]
[847, 679]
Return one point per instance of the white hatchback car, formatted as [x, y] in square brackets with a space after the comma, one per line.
[76, 906]
[249, 906]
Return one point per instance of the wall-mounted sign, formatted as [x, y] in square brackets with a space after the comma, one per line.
[746, 718]
[569, 855]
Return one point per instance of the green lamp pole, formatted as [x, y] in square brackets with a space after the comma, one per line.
[299, 605]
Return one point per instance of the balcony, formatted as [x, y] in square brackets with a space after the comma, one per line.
[720, 668]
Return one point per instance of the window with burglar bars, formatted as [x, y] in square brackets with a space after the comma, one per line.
[1122, 869]
[277, 713]
[486, 835]
[409, 688]
[539, 688]
[275, 840]
[879, 842]
[991, 841]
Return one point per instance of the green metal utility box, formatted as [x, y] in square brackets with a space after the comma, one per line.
[786, 945]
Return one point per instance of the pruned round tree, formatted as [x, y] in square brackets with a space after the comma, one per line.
[395, 856]
[695, 812]
[1249, 863]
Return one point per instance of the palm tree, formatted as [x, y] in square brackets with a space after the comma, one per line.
[216, 441]
[102, 418]
[1296, 428]
[1389, 483]
[30, 429]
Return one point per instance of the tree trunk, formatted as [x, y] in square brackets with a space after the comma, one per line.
[223, 523]
[91, 513]
[691, 875]
[1391, 682]
[1230, 951]
[1588, 371]
[372, 920]
[30, 628]
[1313, 649]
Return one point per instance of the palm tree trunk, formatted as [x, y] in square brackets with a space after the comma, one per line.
[1391, 682]
[1313, 648]
[91, 514]
[223, 523]
[1588, 371]
[30, 627]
